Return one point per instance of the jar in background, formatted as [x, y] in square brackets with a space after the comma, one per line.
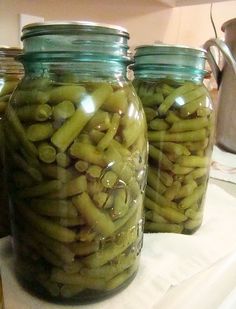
[77, 164]
[10, 73]
[180, 119]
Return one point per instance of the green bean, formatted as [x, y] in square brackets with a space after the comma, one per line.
[59, 249]
[41, 189]
[189, 125]
[154, 217]
[190, 136]
[172, 191]
[8, 87]
[190, 108]
[163, 227]
[181, 170]
[3, 106]
[119, 223]
[71, 93]
[70, 290]
[194, 214]
[63, 110]
[100, 121]
[174, 148]
[171, 117]
[100, 199]
[121, 278]
[94, 171]
[131, 134]
[41, 83]
[111, 250]
[87, 153]
[54, 208]
[117, 102]
[193, 198]
[70, 222]
[193, 161]
[186, 190]
[120, 207]
[111, 132]
[160, 157]
[84, 248]
[150, 113]
[166, 89]
[47, 153]
[40, 131]
[81, 166]
[97, 136]
[171, 98]
[94, 186]
[165, 178]
[110, 270]
[60, 276]
[195, 174]
[56, 172]
[73, 267]
[154, 181]
[46, 226]
[63, 159]
[168, 213]
[158, 198]
[197, 145]
[158, 124]
[71, 188]
[65, 135]
[30, 97]
[51, 287]
[192, 224]
[109, 179]
[95, 218]
[203, 112]
[152, 99]
[20, 131]
[24, 166]
[34, 112]
[86, 233]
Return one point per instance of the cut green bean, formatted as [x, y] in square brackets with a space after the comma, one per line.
[189, 125]
[39, 132]
[116, 102]
[81, 166]
[154, 180]
[84, 248]
[193, 198]
[193, 161]
[34, 112]
[160, 157]
[186, 190]
[111, 132]
[172, 191]
[63, 110]
[71, 93]
[95, 218]
[87, 153]
[100, 121]
[54, 208]
[190, 136]
[158, 198]
[65, 135]
[30, 97]
[158, 125]
[41, 189]
[63, 159]
[47, 153]
[46, 226]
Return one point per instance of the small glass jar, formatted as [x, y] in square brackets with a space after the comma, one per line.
[77, 163]
[10, 73]
[180, 120]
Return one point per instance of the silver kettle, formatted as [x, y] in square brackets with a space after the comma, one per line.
[226, 80]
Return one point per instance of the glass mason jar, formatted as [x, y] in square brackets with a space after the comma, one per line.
[180, 119]
[10, 74]
[77, 161]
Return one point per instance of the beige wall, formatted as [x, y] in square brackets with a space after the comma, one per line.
[146, 20]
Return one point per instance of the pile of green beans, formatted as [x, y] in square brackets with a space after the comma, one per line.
[7, 85]
[180, 133]
[77, 156]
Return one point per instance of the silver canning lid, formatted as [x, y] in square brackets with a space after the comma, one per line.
[53, 26]
[227, 23]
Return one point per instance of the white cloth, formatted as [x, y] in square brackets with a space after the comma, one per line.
[167, 260]
[223, 165]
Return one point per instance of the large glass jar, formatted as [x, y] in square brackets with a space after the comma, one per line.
[10, 74]
[77, 159]
[180, 119]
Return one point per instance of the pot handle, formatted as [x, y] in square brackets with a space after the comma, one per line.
[226, 53]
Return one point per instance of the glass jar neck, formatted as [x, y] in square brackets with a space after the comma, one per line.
[168, 72]
[86, 70]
